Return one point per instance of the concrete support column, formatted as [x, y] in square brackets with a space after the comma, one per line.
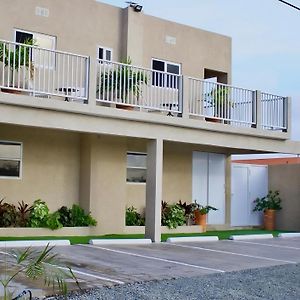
[184, 96]
[92, 78]
[228, 194]
[154, 189]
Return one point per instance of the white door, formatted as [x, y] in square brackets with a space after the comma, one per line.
[247, 183]
[208, 183]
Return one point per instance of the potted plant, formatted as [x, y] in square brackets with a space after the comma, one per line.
[219, 99]
[121, 80]
[268, 204]
[200, 214]
[15, 60]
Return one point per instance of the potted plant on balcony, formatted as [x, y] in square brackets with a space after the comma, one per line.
[200, 214]
[269, 205]
[20, 57]
[119, 81]
[219, 100]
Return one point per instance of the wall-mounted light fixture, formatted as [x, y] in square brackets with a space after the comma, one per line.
[136, 7]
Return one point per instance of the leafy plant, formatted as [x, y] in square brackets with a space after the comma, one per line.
[270, 201]
[203, 210]
[80, 218]
[39, 214]
[219, 99]
[23, 214]
[65, 216]
[8, 214]
[35, 264]
[172, 216]
[121, 80]
[133, 218]
[19, 56]
[53, 221]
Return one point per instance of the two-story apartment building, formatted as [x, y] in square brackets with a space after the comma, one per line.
[78, 126]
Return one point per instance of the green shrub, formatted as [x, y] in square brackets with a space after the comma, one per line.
[80, 218]
[133, 218]
[65, 216]
[8, 214]
[39, 214]
[53, 221]
[172, 216]
[270, 201]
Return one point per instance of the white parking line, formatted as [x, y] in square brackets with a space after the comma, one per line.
[268, 245]
[154, 258]
[234, 253]
[74, 271]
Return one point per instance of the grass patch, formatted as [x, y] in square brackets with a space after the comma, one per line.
[223, 235]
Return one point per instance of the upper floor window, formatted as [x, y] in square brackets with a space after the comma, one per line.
[10, 159]
[165, 80]
[105, 53]
[40, 58]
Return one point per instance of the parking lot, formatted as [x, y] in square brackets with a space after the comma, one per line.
[121, 264]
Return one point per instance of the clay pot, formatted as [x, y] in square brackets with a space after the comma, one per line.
[200, 220]
[269, 219]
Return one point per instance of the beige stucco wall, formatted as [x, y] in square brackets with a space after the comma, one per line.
[50, 167]
[193, 48]
[286, 179]
[80, 26]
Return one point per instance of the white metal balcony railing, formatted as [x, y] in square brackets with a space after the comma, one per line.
[56, 74]
[43, 72]
[222, 102]
[274, 112]
[124, 84]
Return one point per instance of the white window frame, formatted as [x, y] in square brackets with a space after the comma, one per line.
[104, 52]
[166, 63]
[33, 33]
[14, 159]
[136, 168]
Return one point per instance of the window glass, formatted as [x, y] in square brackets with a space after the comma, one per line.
[136, 167]
[105, 53]
[108, 55]
[21, 36]
[158, 65]
[162, 79]
[10, 159]
[174, 69]
[100, 53]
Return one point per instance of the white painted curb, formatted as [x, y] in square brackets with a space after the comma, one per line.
[31, 243]
[251, 237]
[120, 241]
[289, 234]
[193, 239]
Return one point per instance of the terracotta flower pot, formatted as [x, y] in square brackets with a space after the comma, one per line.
[269, 219]
[200, 220]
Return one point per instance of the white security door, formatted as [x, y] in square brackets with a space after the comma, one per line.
[216, 188]
[247, 183]
[239, 195]
[208, 186]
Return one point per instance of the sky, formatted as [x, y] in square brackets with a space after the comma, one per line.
[265, 40]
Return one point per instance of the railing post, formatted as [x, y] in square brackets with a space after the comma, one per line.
[287, 105]
[184, 97]
[257, 110]
[91, 80]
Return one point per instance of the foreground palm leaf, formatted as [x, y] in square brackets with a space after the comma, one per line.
[37, 264]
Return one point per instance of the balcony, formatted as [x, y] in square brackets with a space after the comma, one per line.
[62, 76]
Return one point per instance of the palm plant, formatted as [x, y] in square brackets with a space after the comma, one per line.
[219, 99]
[121, 80]
[36, 264]
[17, 57]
